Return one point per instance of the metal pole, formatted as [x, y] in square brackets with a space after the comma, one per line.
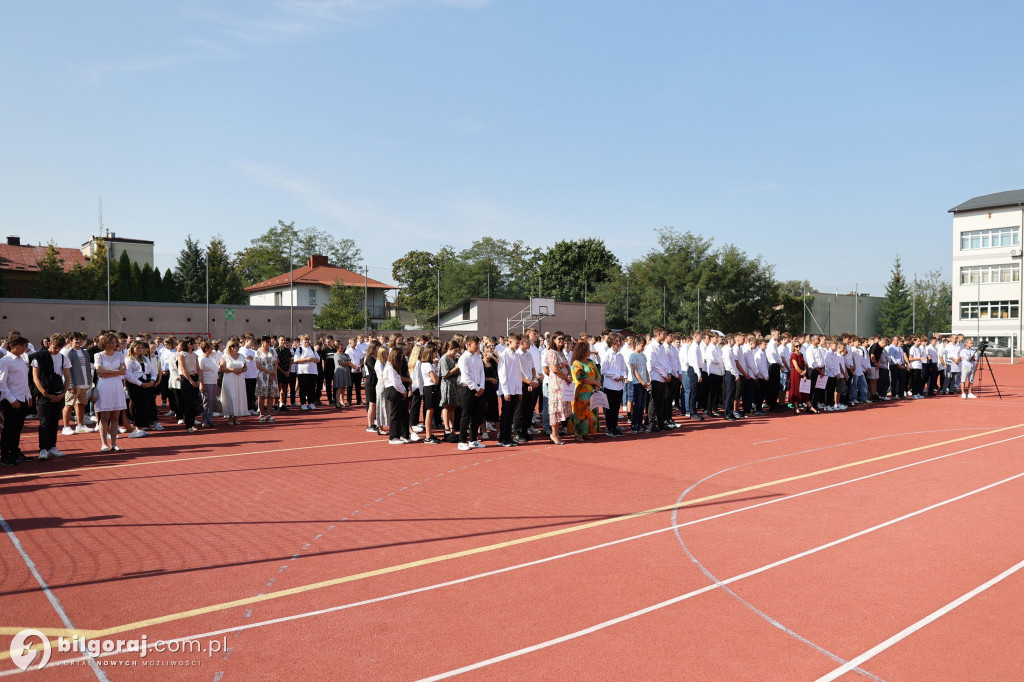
[913, 298]
[627, 302]
[366, 298]
[439, 299]
[291, 294]
[208, 292]
[488, 297]
[664, 309]
[698, 307]
[803, 303]
[856, 301]
[978, 308]
[584, 304]
[540, 292]
[108, 283]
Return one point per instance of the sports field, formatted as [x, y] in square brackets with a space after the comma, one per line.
[883, 542]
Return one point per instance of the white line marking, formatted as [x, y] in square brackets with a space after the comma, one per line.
[775, 440]
[50, 596]
[930, 618]
[689, 595]
[507, 569]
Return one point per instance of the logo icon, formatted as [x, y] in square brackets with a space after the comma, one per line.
[22, 655]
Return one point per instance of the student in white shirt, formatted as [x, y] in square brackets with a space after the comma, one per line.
[510, 388]
[355, 355]
[613, 371]
[427, 370]
[471, 391]
[14, 399]
[968, 359]
[305, 361]
[396, 391]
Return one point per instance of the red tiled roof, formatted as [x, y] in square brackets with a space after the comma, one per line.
[25, 258]
[325, 275]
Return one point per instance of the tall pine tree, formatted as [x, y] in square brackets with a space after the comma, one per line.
[225, 282]
[169, 287]
[51, 280]
[121, 286]
[895, 314]
[190, 272]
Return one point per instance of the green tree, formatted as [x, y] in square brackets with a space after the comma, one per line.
[169, 287]
[568, 267]
[895, 314]
[51, 282]
[190, 272]
[343, 310]
[225, 283]
[146, 288]
[89, 281]
[933, 303]
[121, 282]
[138, 284]
[416, 272]
[281, 246]
[155, 286]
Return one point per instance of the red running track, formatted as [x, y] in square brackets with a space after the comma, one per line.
[311, 548]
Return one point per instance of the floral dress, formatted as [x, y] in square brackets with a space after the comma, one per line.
[266, 382]
[583, 418]
[556, 397]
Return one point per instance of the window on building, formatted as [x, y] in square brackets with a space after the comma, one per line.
[278, 298]
[987, 239]
[990, 274]
[990, 310]
[312, 296]
[465, 310]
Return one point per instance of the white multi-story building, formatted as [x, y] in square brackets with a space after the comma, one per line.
[987, 286]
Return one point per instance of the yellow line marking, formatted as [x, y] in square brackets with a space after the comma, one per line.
[49, 632]
[185, 459]
[213, 608]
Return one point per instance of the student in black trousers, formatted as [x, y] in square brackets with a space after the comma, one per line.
[397, 392]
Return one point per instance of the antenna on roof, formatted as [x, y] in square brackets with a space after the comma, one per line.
[102, 233]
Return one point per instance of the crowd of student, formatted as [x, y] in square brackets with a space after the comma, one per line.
[463, 391]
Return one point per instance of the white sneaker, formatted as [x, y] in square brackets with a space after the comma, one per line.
[465, 446]
[43, 455]
[181, 421]
[484, 436]
[121, 429]
[215, 414]
[54, 452]
[413, 438]
[137, 434]
[971, 396]
[477, 444]
[157, 426]
[67, 431]
[83, 429]
[841, 407]
[396, 441]
[417, 429]
[312, 406]
[829, 408]
[303, 407]
[169, 413]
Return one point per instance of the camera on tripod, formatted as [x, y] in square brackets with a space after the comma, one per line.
[982, 347]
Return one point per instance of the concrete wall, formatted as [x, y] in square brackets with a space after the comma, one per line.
[489, 318]
[832, 315]
[36, 318]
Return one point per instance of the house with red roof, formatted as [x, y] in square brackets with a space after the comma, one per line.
[311, 285]
[19, 265]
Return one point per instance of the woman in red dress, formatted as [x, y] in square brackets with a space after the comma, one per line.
[798, 371]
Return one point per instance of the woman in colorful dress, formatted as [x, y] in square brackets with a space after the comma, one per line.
[559, 403]
[586, 378]
[266, 379]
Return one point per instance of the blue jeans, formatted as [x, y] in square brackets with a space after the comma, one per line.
[545, 417]
[639, 405]
[687, 387]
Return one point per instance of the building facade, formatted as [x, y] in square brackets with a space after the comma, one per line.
[986, 268]
[139, 250]
[310, 285]
[498, 316]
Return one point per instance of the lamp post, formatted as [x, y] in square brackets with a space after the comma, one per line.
[291, 294]
[1017, 254]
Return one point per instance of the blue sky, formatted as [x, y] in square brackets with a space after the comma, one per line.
[826, 137]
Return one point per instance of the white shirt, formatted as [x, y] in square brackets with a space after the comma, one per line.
[814, 356]
[210, 368]
[392, 379]
[713, 357]
[250, 363]
[916, 353]
[967, 357]
[832, 362]
[747, 358]
[60, 363]
[424, 369]
[527, 369]
[772, 352]
[672, 353]
[471, 371]
[613, 369]
[538, 361]
[660, 369]
[510, 373]
[695, 358]
[684, 356]
[307, 367]
[14, 379]
[761, 363]
[355, 356]
[729, 360]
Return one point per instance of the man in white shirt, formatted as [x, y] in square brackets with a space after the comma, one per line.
[14, 399]
[675, 381]
[530, 387]
[732, 377]
[471, 391]
[933, 366]
[715, 373]
[774, 359]
[510, 388]
[540, 398]
[814, 358]
[661, 371]
[613, 371]
[695, 363]
[683, 351]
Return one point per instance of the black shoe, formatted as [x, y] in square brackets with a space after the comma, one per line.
[19, 458]
[6, 463]
[431, 440]
[696, 418]
[729, 418]
[506, 444]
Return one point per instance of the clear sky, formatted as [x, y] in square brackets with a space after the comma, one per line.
[824, 136]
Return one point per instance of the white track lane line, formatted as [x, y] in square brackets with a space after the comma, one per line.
[536, 562]
[689, 595]
[930, 618]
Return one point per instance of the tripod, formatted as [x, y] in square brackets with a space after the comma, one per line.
[982, 356]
